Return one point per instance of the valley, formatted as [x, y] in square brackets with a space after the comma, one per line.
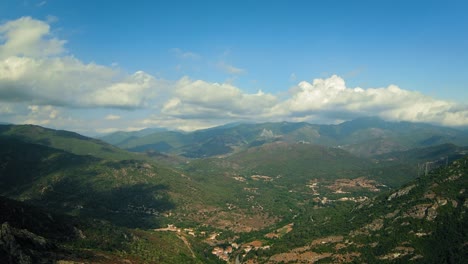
[365, 190]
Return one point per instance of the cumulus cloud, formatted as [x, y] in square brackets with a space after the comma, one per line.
[41, 115]
[132, 92]
[197, 99]
[331, 98]
[33, 68]
[28, 37]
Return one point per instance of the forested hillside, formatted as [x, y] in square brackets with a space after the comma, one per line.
[70, 197]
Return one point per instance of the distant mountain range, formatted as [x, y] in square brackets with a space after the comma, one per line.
[364, 137]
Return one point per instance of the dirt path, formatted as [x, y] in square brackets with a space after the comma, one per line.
[182, 237]
[187, 243]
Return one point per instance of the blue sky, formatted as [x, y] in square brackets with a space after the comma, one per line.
[123, 65]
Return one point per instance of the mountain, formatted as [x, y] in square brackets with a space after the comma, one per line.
[105, 198]
[63, 140]
[274, 180]
[120, 137]
[364, 137]
[81, 185]
[373, 136]
[270, 199]
[213, 141]
[30, 235]
[140, 193]
[300, 160]
[434, 155]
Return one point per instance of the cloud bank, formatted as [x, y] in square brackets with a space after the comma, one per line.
[35, 68]
[40, 82]
[331, 98]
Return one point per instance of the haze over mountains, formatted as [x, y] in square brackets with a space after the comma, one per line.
[364, 191]
[363, 137]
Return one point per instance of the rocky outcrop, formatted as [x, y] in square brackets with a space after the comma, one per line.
[401, 192]
[19, 246]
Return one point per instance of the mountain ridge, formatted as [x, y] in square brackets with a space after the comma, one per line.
[64, 140]
[364, 137]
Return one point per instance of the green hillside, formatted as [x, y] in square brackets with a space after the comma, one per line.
[302, 161]
[443, 153]
[273, 191]
[280, 177]
[425, 221]
[120, 191]
[120, 137]
[64, 140]
[105, 199]
[33, 235]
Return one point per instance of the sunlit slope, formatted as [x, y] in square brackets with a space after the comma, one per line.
[424, 221]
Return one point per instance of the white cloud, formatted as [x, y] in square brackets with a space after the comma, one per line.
[331, 98]
[131, 92]
[41, 115]
[28, 37]
[113, 117]
[29, 73]
[230, 69]
[198, 99]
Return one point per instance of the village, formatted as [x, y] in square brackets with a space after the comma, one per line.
[222, 252]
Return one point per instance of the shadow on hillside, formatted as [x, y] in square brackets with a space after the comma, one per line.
[22, 164]
[68, 183]
[24, 216]
[135, 206]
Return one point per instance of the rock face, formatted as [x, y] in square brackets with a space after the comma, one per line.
[401, 192]
[19, 246]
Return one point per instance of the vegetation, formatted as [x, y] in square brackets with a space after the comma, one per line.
[274, 190]
[64, 140]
